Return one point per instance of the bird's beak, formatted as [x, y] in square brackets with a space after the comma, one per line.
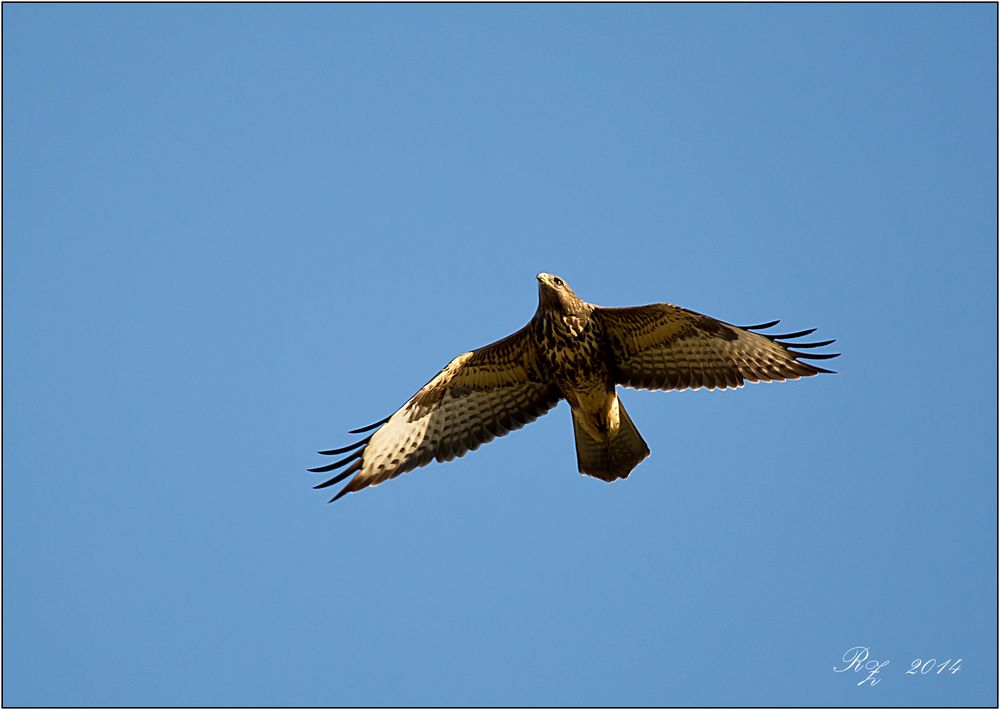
[541, 277]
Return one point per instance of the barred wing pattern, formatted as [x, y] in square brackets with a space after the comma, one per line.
[476, 397]
[666, 347]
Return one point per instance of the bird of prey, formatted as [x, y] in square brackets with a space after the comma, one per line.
[579, 352]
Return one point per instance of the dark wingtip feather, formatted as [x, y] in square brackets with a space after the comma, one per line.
[339, 477]
[363, 429]
[817, 344]
[814, 356]
[337, 464]
[332, 482]
[345, 449]
[343, 492]
[761, 326]
[796, 334]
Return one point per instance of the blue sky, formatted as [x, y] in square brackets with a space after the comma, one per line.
[232, 233]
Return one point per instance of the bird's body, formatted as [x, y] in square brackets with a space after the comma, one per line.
[570, 350]
[579, 352]
[577, 358]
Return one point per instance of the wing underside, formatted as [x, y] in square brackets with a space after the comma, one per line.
[478, 396]
[664, 347]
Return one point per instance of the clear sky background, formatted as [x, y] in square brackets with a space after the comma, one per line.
[232, 233]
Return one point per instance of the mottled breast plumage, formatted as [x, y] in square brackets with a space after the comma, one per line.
[571, 348]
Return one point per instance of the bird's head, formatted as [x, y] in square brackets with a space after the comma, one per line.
[555, 293]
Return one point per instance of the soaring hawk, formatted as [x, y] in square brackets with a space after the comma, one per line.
[579, 352]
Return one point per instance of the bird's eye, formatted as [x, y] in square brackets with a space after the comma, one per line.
[557, 281]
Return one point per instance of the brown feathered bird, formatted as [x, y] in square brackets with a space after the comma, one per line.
[579, 352]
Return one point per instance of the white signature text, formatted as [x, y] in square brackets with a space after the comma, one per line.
[858, 659]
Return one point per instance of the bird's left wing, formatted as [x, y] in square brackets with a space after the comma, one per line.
[664, 347]
[478, 396]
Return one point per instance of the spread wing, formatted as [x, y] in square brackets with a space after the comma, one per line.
[664, 347]
[478, 396]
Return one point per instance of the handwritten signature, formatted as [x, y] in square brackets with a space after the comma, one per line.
[858, 659]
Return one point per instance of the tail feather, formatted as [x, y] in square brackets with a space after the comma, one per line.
[613, 457]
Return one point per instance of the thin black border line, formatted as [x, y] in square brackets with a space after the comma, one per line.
[996, 117]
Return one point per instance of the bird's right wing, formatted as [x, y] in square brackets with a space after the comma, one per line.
[664, 347]
[478, 396]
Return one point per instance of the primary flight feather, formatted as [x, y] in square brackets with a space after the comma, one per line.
[579, 352]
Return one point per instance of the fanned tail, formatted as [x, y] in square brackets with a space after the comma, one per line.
[613, 457]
